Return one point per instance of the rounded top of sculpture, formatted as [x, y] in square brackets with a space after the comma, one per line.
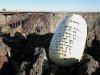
[76, 18]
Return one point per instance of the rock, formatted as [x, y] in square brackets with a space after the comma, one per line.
[38, 67]
[3, 60]
[54, 69]
[41, 64]
[90, 37]
[88, 66]
[5, 29]
[94, 50]
[3, 54]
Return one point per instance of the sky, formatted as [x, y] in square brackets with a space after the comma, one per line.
[51, 5]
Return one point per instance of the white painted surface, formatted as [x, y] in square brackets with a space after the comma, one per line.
[67, 45]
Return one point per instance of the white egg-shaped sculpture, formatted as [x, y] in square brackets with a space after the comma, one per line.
[68, 42]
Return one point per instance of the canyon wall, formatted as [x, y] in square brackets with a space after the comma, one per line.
[28, 56]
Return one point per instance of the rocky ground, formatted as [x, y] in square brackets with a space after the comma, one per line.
[29, 55]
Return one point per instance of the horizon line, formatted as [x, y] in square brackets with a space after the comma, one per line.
[4, 11]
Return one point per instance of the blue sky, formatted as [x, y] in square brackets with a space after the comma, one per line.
[51, 5]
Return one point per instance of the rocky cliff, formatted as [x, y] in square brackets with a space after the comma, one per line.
[29, 54]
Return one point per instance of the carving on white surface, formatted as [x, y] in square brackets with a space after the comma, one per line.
[67, 45]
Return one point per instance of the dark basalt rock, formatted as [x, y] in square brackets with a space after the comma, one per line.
[88, 66]
[29, 56]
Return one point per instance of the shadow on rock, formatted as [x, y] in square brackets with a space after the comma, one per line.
[94, 50]
[27, 55]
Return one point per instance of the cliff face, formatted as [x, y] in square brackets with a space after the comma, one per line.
[28, 56]
[92, 19]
